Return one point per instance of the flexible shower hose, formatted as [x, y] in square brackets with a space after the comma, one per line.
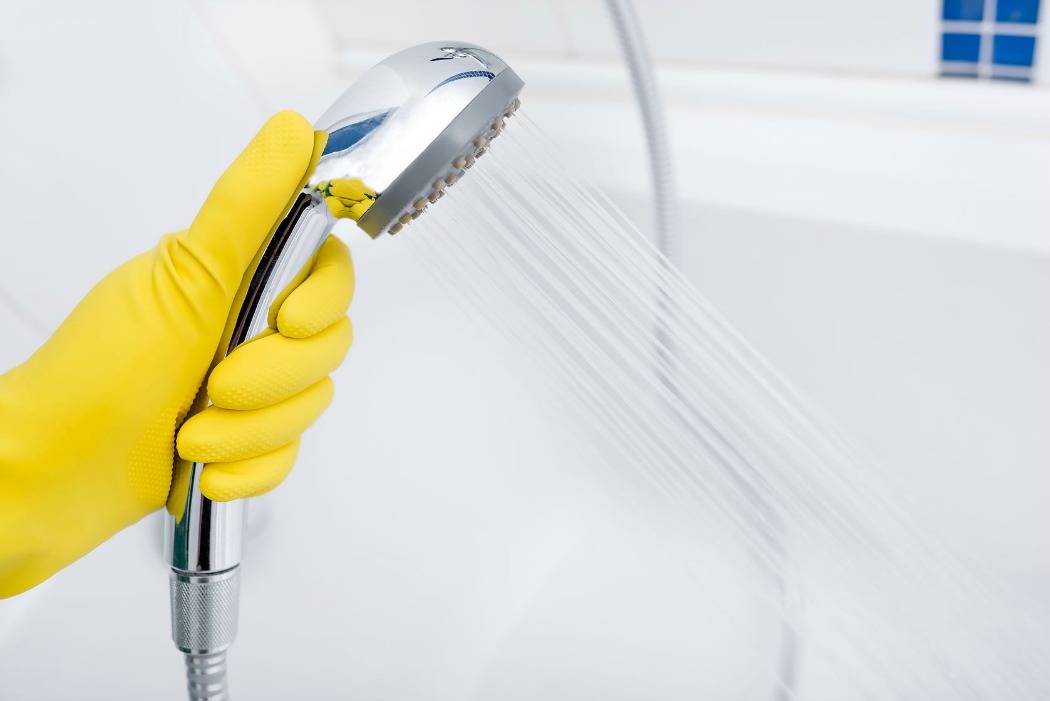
[206, 677]
[643, 80]
[636, 54]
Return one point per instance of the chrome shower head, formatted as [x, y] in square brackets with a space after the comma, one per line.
[408, 128]
[396, 139]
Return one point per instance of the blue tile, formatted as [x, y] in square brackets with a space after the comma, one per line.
[1026, 11]
[960, 47]
[969, 10]
[1013, 50]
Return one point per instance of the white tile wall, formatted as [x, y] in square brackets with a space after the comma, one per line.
[893, 37]
[870, 36]
[515, 26]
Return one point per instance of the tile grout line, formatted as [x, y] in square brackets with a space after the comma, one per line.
[984, 56]
[1019, 29]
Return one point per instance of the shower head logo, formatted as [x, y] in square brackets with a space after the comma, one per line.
[450, 52]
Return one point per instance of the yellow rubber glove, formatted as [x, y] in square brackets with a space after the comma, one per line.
[88, 424]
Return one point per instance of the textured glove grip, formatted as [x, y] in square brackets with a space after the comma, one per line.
[204, 610]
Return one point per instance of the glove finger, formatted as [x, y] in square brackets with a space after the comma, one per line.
[226, 435]
[323, 298]
[240, 479]
[271, 369]
[250, 198]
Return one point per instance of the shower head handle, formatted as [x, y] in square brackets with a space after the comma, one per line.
[407, 129]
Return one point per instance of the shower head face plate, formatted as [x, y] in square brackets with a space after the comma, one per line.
[409, 128]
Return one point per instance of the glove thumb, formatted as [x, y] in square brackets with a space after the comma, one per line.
[248, 201]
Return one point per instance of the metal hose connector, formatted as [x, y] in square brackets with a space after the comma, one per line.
[206, 677]
[204, 610]
[643, 79]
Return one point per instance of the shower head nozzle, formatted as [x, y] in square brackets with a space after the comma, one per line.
[408, 128]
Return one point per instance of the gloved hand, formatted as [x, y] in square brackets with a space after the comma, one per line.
[88, 424]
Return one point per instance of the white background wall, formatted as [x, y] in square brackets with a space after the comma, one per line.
[884, 37]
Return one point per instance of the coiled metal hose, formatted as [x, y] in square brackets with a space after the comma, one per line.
[636, 54]
[206, 677]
